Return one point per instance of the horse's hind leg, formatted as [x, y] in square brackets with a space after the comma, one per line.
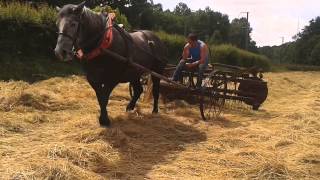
[137, 90]
[155, 93]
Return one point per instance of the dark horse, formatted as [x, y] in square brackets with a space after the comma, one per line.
[81, 28]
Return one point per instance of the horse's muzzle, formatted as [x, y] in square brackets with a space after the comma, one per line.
[63, 55]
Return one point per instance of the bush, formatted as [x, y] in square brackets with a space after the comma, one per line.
[227, 54]
[26, 30]
[174, 44]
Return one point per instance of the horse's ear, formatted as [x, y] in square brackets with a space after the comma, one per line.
[79, 7]
[58, 8]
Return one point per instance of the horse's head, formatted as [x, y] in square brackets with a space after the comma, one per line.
[68, 23]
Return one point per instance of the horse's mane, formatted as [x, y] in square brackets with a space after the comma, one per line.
[91, 18]
[93, 25]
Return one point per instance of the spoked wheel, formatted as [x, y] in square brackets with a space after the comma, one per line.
[212, 96]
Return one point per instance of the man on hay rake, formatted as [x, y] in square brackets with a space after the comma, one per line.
[195, 56]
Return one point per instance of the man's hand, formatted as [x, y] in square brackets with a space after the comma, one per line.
[191, 65]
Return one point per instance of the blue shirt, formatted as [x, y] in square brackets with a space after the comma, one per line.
[195, 52]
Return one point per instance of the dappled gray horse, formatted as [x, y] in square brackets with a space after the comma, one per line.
[86, 31]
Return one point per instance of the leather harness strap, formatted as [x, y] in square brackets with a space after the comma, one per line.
[105, 43]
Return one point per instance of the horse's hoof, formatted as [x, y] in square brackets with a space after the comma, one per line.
[104, 123]
[155, 111]
[129, 108]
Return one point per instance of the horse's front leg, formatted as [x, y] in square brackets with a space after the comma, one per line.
[103, 93]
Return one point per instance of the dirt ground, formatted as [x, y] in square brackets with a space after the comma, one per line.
[49, 130]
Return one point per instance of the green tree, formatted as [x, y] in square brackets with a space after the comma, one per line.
[209, 25]
[182, 9]
[307, 41]
[315, 55]
[238, 34]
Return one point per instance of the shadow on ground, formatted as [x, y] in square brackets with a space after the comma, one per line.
[145, 142]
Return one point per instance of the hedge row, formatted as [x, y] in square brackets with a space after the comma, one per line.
[26, 30]
[225, 54]
[174, 43]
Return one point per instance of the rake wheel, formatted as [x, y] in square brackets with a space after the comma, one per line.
[212, 96]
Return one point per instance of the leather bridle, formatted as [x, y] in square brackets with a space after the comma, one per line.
[76, 35]
[73, 38]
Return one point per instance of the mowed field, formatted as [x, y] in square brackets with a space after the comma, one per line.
[49, 130]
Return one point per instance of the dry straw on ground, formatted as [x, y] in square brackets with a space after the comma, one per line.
[49, 130]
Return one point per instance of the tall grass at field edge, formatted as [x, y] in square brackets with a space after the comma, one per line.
[23, 13]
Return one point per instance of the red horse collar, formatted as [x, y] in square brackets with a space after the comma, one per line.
[105, 44]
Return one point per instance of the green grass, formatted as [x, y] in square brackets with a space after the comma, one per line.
[24, 13]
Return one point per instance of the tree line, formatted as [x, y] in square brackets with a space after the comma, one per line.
[304, 50]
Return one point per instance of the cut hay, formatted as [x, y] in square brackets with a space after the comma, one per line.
[49, 130]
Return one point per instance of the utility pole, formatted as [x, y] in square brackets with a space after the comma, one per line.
[281, 49]
[298, 27]
[282, 38]
[247, 31]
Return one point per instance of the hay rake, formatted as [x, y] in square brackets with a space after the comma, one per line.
[223, 86]
[248, 86]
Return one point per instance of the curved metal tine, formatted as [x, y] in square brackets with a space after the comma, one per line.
[210, 109]
[208, 104]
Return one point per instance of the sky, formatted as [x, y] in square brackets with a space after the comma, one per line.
[270, 19]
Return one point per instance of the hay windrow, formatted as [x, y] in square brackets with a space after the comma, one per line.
[49, 130]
